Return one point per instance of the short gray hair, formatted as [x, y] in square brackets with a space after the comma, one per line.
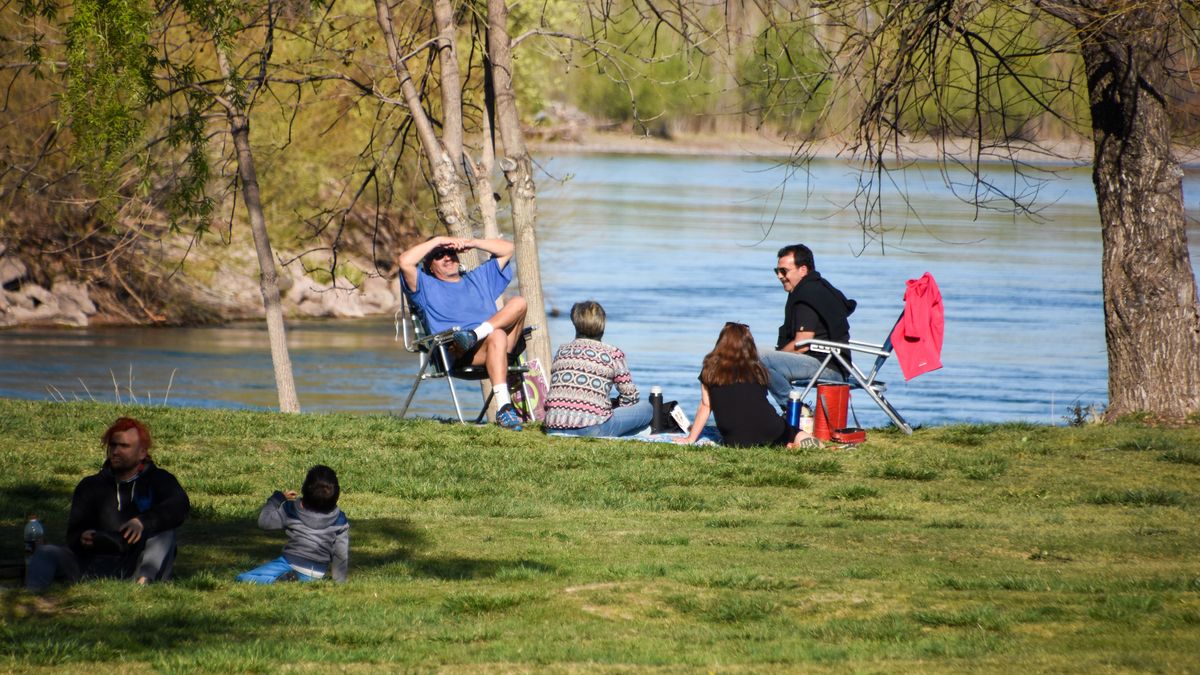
[588, 317]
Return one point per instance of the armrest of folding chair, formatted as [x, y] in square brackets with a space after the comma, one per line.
[833, 350]
[868, 345]
[414, 342]
[851, 346]
[437, 339]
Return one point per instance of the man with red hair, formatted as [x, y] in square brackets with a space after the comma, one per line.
[123, 519]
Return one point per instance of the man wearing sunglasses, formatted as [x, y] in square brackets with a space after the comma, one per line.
[814, 310]
[450, 297]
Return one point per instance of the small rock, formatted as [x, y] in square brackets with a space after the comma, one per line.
[73, 298]
[11, 269]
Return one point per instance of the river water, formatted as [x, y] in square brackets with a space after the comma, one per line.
[674, 247]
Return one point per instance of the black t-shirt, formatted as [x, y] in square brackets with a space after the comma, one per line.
[745, 417]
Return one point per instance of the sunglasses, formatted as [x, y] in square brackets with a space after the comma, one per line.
[444, 253]
[782, 271]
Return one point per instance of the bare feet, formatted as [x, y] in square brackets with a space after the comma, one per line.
[805, 441]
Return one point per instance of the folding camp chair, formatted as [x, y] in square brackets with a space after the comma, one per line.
[435, 358]
[857, 379]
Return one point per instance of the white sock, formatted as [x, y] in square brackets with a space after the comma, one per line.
[502, 397]
[483, 330]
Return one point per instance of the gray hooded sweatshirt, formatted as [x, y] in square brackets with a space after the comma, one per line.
[316, 541]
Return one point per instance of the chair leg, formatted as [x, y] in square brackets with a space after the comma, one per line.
[526, 402]
[884, 405]
[888, 409]
[812, 382]
[454, 396]
[483, 411]
[450, 380]
[413, 392]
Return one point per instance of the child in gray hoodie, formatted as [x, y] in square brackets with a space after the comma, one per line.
[318, 533]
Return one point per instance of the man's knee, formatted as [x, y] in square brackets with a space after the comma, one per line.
[50, 562]
[157, 560]
[496, 340]
[517, 304]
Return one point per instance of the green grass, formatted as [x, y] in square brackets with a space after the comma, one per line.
[1138, 497]
[981, 547]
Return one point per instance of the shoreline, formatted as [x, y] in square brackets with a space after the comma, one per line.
[1055, 152]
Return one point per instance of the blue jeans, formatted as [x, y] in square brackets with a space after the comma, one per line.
[626, 420]
[276, 570]
[784, 367]
[156, 561]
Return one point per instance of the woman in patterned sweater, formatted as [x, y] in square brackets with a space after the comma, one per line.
[582, 374]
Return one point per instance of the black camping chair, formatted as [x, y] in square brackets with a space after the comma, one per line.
[434, 358]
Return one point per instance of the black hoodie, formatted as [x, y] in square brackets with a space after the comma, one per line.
[828, 302]
[101, 502]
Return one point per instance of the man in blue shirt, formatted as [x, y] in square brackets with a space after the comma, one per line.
[453, 298]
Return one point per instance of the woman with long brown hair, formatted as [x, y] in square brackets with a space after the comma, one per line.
[733, 386]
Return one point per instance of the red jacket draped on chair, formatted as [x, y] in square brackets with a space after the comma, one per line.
[917, 338]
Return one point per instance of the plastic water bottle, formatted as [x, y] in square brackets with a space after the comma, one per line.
[34, 535]
[793, 410]
[657, 420]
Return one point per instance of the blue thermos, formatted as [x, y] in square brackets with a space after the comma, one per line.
[793, 410]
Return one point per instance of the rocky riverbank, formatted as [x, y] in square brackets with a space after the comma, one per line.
[230, 292]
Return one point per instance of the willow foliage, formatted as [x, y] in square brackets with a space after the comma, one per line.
[109, 84]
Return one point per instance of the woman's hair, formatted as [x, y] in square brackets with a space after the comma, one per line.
[734, 359]
[588, 317]
[320, 490]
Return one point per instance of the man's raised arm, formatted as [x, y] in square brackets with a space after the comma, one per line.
[411, 258]
[501, 249]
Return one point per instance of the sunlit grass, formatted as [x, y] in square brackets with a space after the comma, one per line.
[985, 547]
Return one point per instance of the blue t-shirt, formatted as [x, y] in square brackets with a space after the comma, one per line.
[465, 303]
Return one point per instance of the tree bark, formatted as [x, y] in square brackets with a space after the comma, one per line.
[451, 81]
[448, 194]
[481, 181]
[517, 166]
[239, 128]
[1152, 318]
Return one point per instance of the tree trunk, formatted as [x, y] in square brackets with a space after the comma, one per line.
[1151, 315]
[486, 166]
[451, 204]
[450, 81]
[518, 171]
[239, 128]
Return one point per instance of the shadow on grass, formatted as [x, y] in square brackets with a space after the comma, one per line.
[221, 546]
[18, 501]
[210, 545]
[61, 637]
[21, 499]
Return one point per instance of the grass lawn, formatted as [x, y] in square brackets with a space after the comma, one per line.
[970, 547]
